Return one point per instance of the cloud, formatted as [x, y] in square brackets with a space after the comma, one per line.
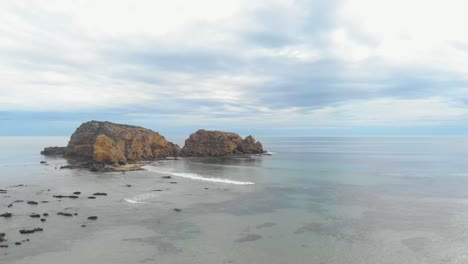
[301, 63]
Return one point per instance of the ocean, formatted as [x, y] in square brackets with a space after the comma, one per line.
[346, 200]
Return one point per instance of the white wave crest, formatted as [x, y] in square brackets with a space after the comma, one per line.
[195, 176]
[139, 199]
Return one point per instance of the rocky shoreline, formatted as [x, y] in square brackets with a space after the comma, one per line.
[102, 146]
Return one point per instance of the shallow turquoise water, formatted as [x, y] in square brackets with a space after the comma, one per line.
[316, 200]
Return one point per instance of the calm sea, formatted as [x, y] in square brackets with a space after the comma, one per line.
[349, 200]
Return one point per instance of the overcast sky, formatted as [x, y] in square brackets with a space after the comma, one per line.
[267, 67]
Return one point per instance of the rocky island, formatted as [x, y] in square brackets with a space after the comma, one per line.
[204, 143]
[106, 146]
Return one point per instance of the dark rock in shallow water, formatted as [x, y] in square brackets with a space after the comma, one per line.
[33, 202]
[65, 196]
[10, 205]
[83, 225]
[249, 238]
[18, 243]
[35, 215]
[100, 193]
[45, 214]
[77, 193]
[166, 177]
[1, 190]
[157, 190]
[91, 197]
[177, 210]
[6, 215]
[18, 201]
[3, 246]
[173, 182]
[64, 214]
[92, 218]
[30, 231]
[2, 237]
[43, 162]
[43, 220]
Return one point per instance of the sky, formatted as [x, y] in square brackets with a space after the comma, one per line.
[263, 67]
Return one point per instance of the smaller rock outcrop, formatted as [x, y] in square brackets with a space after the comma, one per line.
[205, 143]
[54, 151]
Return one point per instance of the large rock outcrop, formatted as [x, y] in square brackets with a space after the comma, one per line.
[204, 143]
[106, 142]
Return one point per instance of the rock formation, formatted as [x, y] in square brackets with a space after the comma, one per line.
[106, 142]
[105, 146]
[218, 143]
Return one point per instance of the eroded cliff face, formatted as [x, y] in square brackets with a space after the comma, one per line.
[204, 143]
[107, 142]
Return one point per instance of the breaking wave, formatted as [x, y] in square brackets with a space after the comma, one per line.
[198, 177]
[139, 199]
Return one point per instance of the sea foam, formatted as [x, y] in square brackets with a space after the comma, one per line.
[139, 199]
[198, 177]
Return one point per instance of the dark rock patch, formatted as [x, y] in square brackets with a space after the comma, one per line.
[249, 238]
[43, 220]
[18, 243]
[100, 193]
[45, 214]
[173, 182]
[92, 218]
[32, 203]
[65, 196]
[35, 215]
[64, 214]
[30, 231]
[91, 197]
[6, 215]
[177, 210]
[166, 177]
[77, 193]
[267, 224]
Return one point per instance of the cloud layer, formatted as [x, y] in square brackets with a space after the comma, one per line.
[304, 66]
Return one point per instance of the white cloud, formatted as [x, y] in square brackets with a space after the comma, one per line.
[416, 33]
